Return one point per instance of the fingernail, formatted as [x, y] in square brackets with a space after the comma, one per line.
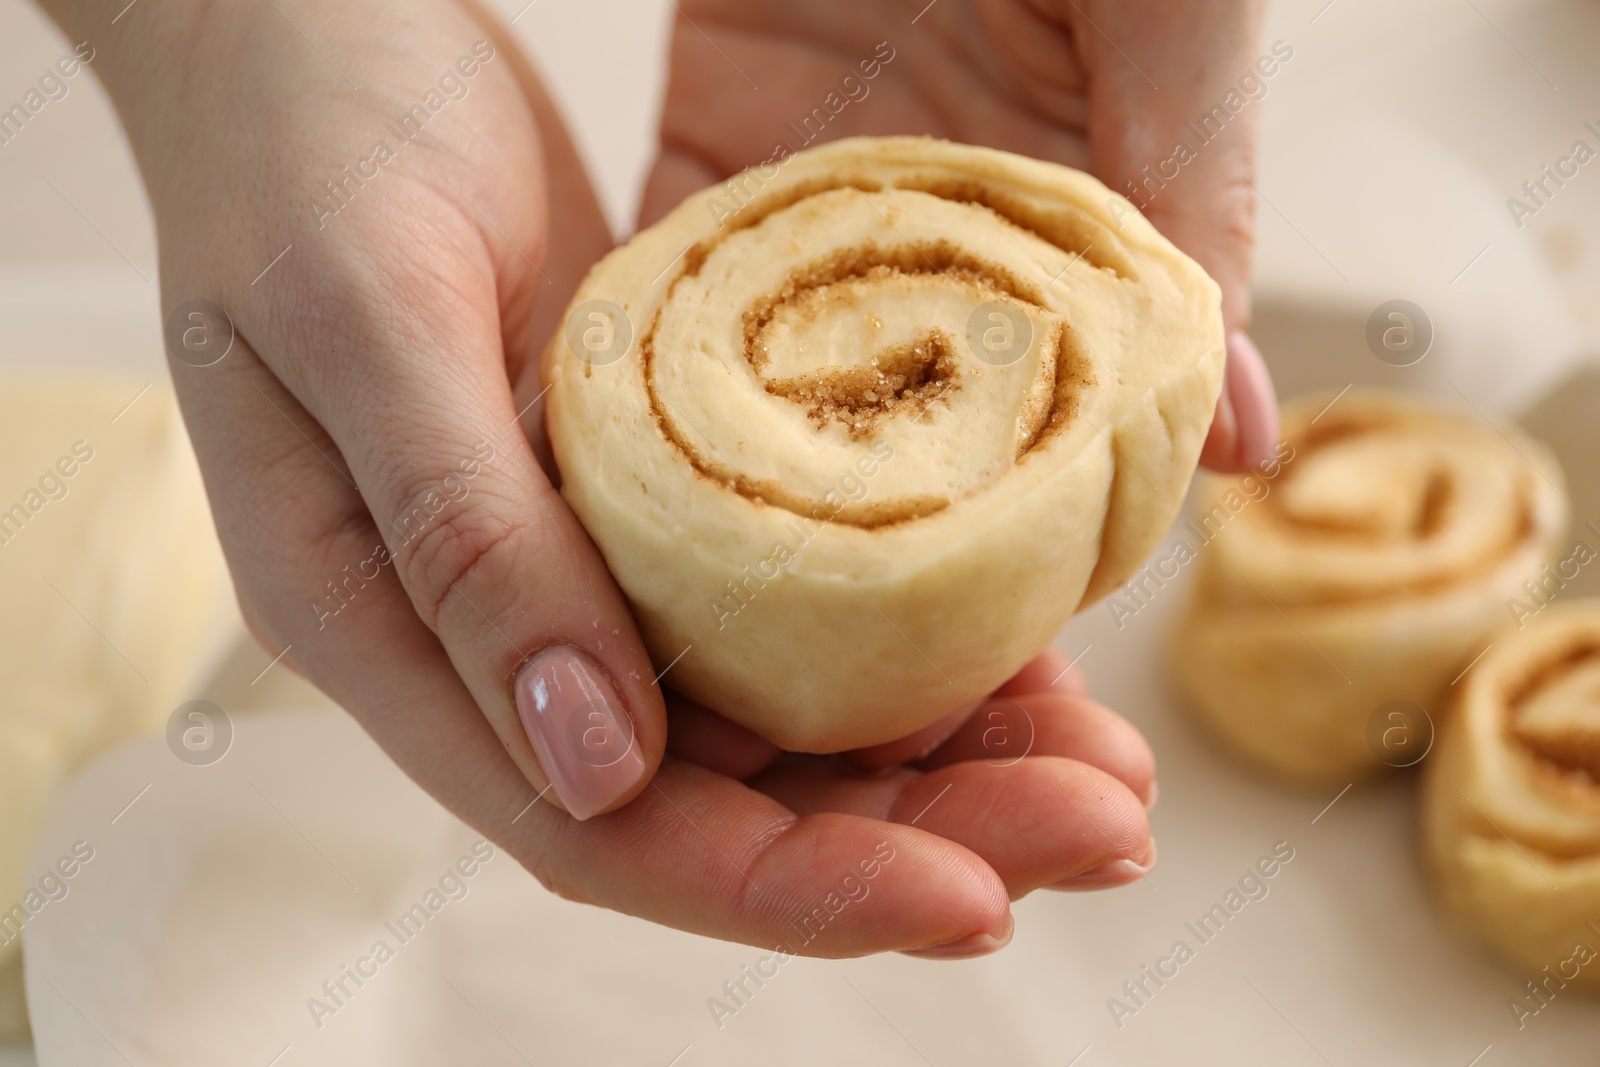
[1110, 875]
[579, 729]
[1155, 795]
[1222, 439]
[969, 947]
[1255, 407]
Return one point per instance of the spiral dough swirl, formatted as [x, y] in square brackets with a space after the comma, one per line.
[1371, 569]
[861, 428]
[1511, 798]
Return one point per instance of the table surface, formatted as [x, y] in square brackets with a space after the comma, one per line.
[217, 906]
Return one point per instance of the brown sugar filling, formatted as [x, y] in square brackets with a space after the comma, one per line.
[904, 379]
[909, 378]
[1572, 753]
[1438, 494]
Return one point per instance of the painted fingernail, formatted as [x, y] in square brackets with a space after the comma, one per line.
[1250, 392]
[966, 948]
[579, 729]
[1110, 875]
[1222, 440]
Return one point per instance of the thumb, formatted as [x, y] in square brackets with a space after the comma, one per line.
[1175, 108]
[505, 575]
[491, 558]
[499, 568]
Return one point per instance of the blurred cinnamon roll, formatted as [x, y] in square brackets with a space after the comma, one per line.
[1511, 797]
[1383, 552]
[858, 430]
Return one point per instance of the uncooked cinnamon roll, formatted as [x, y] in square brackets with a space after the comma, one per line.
[857, 431]
[1511, 798]
[1367, 564]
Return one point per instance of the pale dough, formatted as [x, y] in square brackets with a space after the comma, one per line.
[115, 594]
[1511, 799]
[1370, 566]
[857, 432]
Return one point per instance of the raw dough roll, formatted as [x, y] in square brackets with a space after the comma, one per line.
[859, 430]
[117, 605]
[1369, 568]
[1511, 796]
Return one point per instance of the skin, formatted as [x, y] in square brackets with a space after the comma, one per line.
[397, 335]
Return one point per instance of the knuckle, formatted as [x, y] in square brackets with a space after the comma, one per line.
[441, 551]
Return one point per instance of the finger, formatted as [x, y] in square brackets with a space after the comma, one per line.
[910, 748]
[492, 560]
[1221, 449]
[701, 736]
[1043, 822]
[1008, 729]
[674, 176]
[1191, 76]
[1048, 672]
[701, 852]
[1110, 875]
[1255, 404]
[1246, 424]
[1153, 69]
[1039, 822]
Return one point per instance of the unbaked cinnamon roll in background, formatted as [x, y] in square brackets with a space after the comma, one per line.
[1368, 565]
[859, 429]
[1511, 797]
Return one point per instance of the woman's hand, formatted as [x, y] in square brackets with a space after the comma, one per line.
[388, 211]
[1108, 86]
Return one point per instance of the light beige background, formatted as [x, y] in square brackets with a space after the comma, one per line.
[1469, 81]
